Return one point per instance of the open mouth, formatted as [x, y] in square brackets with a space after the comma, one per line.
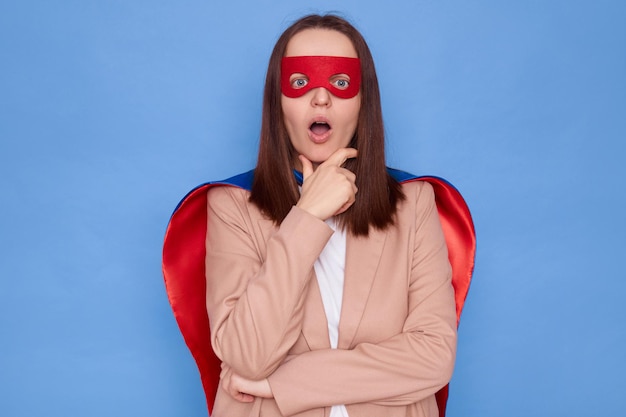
[319, 128]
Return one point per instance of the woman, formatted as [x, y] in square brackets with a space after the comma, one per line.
[263, 297]
[328, 292]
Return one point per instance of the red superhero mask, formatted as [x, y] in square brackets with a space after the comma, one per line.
[319, 71]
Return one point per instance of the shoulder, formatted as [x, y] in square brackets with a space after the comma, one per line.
[235, 188]
[418, 204]
[221, 192]
[418, 192]
[227, 198]
[415, 188]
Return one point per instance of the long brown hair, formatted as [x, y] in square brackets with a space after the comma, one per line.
[274, 188]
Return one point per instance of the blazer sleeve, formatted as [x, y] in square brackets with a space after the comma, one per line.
[255, 305]
[401, 370]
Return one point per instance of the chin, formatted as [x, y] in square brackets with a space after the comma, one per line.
[318, 158]
[322, 152]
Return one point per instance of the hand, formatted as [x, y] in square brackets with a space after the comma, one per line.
[245, 390]
[330, 189]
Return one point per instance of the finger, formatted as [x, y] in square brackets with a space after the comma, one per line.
[340, 156]
[244, 398]
[349, 202]
[351, 176]
[307, 167]
[233, 389]
[345, 207]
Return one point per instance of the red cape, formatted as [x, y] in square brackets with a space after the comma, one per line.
[184, 269]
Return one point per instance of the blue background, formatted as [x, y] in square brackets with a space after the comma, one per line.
[110, 111]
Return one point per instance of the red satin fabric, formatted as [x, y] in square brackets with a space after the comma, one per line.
[183, 269]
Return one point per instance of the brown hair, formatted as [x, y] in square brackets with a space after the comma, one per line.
[274, 188]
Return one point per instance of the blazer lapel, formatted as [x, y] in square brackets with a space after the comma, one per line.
[362, 259]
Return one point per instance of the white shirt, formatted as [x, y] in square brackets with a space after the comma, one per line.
[329, 269]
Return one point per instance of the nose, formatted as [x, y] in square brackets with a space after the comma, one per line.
[321, 97]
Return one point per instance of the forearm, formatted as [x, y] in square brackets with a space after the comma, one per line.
[399, 371]
[255, 305]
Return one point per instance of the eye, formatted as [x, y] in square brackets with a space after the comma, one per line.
[340, 81]
[298, 81]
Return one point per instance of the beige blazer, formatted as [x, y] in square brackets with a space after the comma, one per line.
[397, 333]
